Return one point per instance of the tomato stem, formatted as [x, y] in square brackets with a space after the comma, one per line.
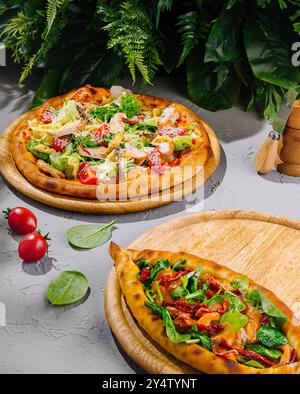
[6, 213]
[46, 237]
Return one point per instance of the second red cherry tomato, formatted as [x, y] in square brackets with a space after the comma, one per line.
[21, 220]
[87, 175]
[32, 247]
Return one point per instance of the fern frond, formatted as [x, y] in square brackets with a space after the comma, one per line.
[163, 5]
[52, 38]
[191, 28]
[20, 31]
[131, 30]
[52, 8]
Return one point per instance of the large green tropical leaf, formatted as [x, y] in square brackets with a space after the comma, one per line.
[268, 43]
[211, 87]
[94, 65]
[225, 40]
[48, 87]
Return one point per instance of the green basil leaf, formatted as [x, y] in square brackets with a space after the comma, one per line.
[161, 264]
[241, 283]
[215, 299]
[68, 288]
[178, 292]
[185, 279]
[193, 282]
[155, 308]
[179, 265]
[224, 42]
[198, 295]
[235, 303]
[271, 337]
[271, 310]
[262, 302]
[89, 236]
[268, 48]
[264, 351]
[254, 364]
[204, 340]
[236, 319]
[172, 334]
[254, 298]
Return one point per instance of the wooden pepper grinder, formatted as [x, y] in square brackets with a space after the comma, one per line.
[290, 152]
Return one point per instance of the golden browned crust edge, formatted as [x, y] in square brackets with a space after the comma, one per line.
[26, 162]
[193, 355]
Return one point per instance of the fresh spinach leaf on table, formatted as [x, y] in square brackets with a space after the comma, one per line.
[69, 287]
[89, 236]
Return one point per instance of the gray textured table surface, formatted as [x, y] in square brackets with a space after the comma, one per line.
[41, 339]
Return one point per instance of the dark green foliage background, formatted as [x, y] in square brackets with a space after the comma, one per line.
[228, 49]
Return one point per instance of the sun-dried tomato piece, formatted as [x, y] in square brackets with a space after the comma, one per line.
[166, 279]
[184, 321]
[249, 354]
[145, 273]
[185, 306]
[211, 329]
[257, 357]
[212, 283]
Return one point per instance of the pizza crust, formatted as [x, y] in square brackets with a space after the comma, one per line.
[136, 185]
[194, 355]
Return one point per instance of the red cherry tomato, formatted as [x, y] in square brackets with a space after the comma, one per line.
[46, 116]
[59, 143]
[155, 161]
[103, 131]
[32, 247]
[21, 220]
[87, 175]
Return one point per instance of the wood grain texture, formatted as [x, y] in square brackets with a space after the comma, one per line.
[290, 152]
[267, 157]
[16, 179]
[263, 246]
[294, 118]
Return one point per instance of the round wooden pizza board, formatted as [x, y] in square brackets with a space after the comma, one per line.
[263, 246]
[12, 175]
